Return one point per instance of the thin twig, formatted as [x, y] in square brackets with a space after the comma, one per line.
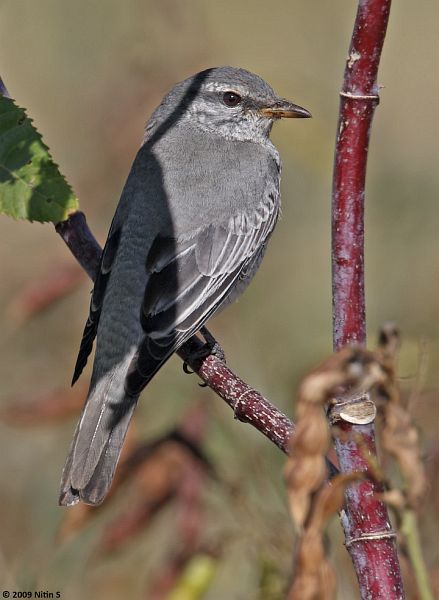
[82, 243]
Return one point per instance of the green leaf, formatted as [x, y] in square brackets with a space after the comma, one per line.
[31, 186]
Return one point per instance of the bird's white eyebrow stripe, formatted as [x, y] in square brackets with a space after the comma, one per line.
[213, 86]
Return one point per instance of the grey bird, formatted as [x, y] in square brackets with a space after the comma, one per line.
[191, 228]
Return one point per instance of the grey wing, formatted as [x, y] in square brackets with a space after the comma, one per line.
[97, 298]
[190, 278]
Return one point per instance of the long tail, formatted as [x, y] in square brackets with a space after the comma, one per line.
[98, 439]
[100, 433]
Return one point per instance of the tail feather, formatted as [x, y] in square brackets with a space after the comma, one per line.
[100, 433]
[89, 480]
[98, 438]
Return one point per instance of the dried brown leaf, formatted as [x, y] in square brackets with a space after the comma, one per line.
[394, 498]
[305, 474]
[329, 500]
[350, 367]
[314, 577]
[303, 477]
[400, 439]
[312, 433]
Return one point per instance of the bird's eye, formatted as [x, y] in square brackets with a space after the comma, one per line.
[231, 99]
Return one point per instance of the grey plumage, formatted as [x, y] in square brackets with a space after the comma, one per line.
[190, 231]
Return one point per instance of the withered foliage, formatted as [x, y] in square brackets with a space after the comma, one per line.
[305, 470]
[314, 577]
[313, 500]
[398, 435]
[350, 373]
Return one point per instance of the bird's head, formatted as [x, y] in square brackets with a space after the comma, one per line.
[230, 102]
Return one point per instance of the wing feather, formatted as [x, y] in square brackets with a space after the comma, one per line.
[97, 298]
[190, 278]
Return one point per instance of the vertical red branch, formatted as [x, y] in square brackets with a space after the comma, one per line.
[359, 97]
[369, 537]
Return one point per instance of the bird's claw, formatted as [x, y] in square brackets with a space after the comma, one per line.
[186, 369]
[210, 348]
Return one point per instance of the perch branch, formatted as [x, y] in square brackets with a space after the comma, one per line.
[81, 242]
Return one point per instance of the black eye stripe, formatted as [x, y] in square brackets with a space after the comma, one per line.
[231, 99]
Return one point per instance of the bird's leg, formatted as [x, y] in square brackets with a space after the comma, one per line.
[211, 347]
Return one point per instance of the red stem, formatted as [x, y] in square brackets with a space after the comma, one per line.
[249, 406]
[375, 560]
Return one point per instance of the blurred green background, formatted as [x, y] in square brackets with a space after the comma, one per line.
[89, 74]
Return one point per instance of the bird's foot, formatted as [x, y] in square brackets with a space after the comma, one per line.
[210, 348]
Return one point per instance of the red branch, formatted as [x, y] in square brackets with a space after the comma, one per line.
[248, 405]
[366, 522]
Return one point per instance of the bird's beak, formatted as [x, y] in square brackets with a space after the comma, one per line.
[284, 109]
